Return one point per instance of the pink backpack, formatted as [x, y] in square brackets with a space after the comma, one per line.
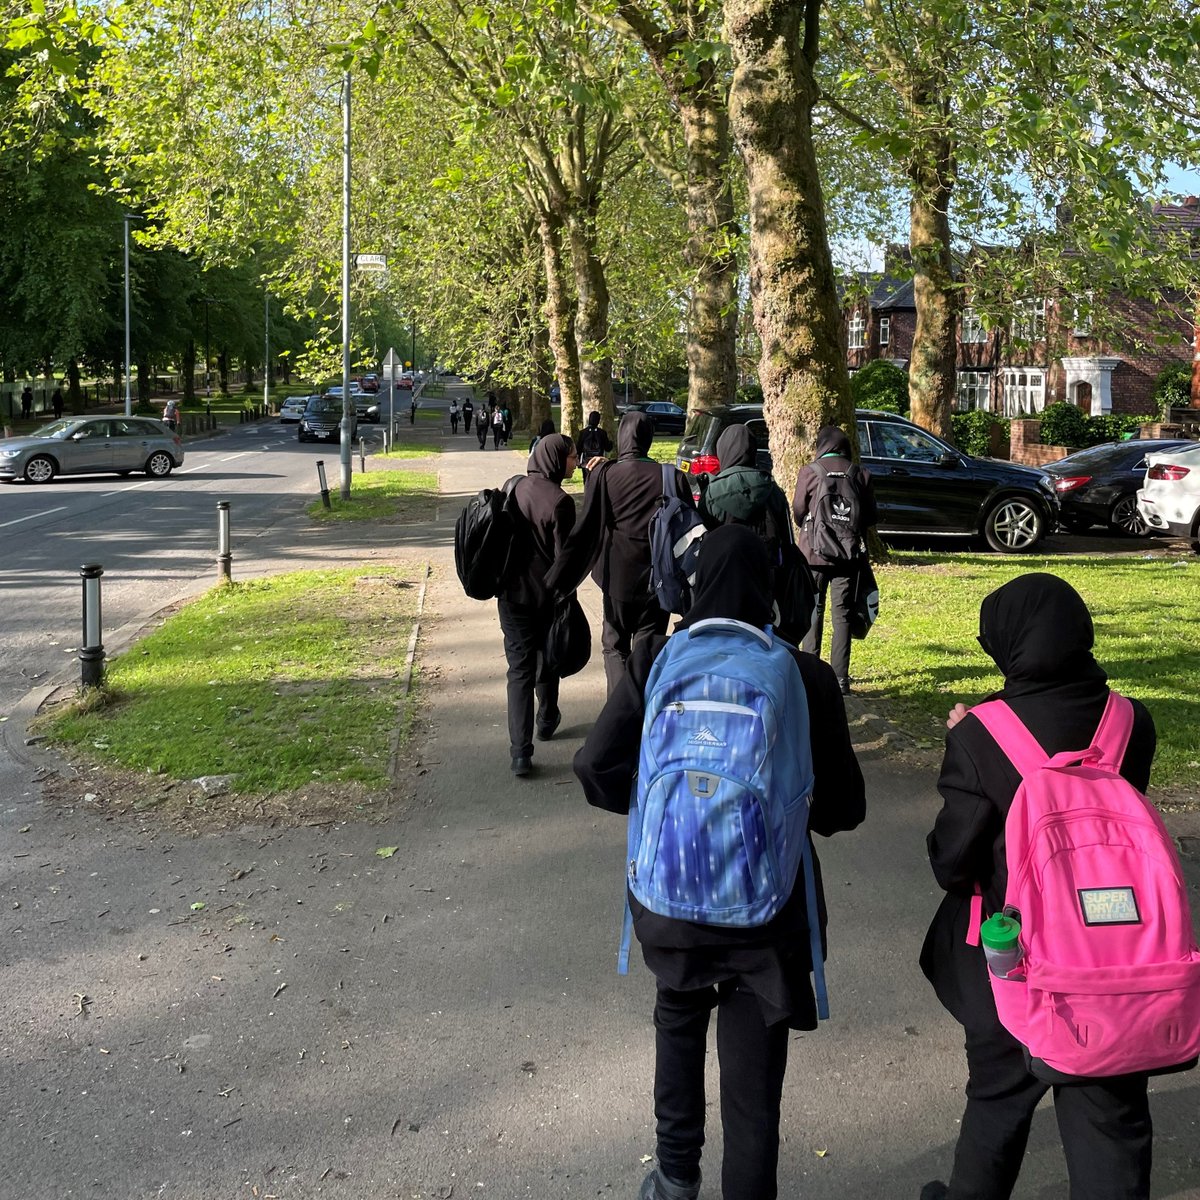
[1111, 970]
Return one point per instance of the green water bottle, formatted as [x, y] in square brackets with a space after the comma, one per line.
[1000, 936]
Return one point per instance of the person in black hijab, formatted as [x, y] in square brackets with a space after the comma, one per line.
[612, 540]
[833, 578]
[546, 428]
[527, 605]
[1038, 631]
[594, 442]
[758, 979]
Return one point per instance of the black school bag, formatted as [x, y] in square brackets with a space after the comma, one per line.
[832, 525]
[486, 537]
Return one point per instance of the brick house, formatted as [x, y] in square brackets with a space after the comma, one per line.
[1048, 352]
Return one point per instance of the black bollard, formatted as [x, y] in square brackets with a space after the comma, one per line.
[324, 484]
[224, 554]
[91, 653]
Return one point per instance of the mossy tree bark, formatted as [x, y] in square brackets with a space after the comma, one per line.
[792, 287]
[560, 322]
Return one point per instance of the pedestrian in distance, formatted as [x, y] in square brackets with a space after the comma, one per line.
[834, 506]
[547, 428]
[1038, 631]
[171, 414]
[498, 428]
[756, 977]
[612, 541]
[526, 604]
[594, 442]
[453, 416]
[482, 426]
[506, 409]
[27, 402]
[468, 411]
[56, 403]
[412, 411]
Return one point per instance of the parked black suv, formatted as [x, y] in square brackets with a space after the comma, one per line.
[923, 486]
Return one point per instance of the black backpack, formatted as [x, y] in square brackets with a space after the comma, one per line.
[486, 536]
[832, 524]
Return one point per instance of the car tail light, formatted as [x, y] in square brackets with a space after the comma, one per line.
[705, 464]
[1068, 483]
[1166, 471]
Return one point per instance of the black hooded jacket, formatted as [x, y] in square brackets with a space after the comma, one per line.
[833, 454]
[612, 538]
[1039, 632]
[741, 494]
[551, 516]
[731, 581]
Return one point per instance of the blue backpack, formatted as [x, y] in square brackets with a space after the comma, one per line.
[675, 532]
[718, 822]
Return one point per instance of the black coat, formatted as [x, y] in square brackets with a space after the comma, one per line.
[774, 958]
[833, 454]
[1040, 634]
[612, 538]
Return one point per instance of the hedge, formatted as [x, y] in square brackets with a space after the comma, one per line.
[971, 431]
[1066, 424]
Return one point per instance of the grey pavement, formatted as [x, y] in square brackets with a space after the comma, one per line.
[447, 1022]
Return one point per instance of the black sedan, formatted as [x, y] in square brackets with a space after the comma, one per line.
[667, 417]
[1099, 485]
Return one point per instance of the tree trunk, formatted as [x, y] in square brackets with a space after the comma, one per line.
[560, 320]
[792, 288]
[144, 383]
[248, 363]
[710, 255]
[591, 320]
[76, 400]
[223, 371]
[543, 377]
[188, 370]
[931, 371]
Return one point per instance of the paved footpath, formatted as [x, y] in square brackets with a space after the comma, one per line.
[447, 1022]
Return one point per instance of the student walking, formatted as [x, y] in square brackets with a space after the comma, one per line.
[27, 402]
[612, 540]
[527, 605]
[56, 403]
[412, 411]
[468, 411]
[171, 414]
[481, 427]
[498, 434]
[594, 442]
[546, 429]
[1038, 631]
[756, 978]
[834, 506]
[508, 422]
[453, 416]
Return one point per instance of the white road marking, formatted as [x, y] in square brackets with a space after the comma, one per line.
[242, 454]
[46, 513]
[190, 470]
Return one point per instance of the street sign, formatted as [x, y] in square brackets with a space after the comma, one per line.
[391, 364]
[371, 262]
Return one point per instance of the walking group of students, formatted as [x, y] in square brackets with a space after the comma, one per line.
[729, 748]
[494, 417]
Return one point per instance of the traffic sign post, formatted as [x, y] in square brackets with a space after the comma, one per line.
[391, 366]
[371, 262]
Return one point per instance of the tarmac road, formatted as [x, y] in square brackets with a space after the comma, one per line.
[447, 1022]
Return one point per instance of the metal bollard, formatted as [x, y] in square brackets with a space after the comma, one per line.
[324, 483]
[224, 554]
[91, 653]
[362, 456]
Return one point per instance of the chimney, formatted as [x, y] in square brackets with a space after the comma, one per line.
[1191, 202]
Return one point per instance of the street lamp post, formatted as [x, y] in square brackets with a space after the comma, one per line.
[127, 217]
[345, 458]
[266, 350]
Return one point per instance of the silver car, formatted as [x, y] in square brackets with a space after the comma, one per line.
[91, 446]
[292, 408]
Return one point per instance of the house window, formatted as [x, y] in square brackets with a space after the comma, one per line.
[858, 332]
[972, 327]
[1029, 320]
[1024, 390]
[973, 390]
[1081, 320]
[885, 330]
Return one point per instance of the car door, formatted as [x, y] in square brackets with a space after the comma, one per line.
[88, 448]
[920, 487]
[130, 445]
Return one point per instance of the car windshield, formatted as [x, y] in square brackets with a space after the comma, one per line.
[699, 426]
[1101, 455]
[324, 404]
[56, 429]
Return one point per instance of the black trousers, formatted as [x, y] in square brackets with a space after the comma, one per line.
[624, 622]
[497, 436]
[753, 1059]
[454, 422]
[467, 421]
[525, 627]
[1105, 1126]
[837, 584]
[481, 431]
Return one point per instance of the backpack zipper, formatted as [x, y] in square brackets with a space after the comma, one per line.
[681, 706]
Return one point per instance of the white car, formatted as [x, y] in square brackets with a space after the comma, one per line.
[292, 408]
[1169, 500]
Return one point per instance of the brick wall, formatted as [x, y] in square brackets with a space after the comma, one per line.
[1026, 449]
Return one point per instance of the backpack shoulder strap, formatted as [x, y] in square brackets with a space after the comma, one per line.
[1112, 734]
[1019, 745]
[668, 483]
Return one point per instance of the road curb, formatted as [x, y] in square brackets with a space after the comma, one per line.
[406, 687]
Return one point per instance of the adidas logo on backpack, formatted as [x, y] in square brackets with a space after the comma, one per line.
[1111, 971]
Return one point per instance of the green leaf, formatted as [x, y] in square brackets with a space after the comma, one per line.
[386, 851]
[198, 906]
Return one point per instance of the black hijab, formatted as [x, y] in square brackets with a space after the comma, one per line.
[549, 457]
[831, 440]
[546, 429]
[634, 435]
[1039, 632]
[733, 578]
[737, 447]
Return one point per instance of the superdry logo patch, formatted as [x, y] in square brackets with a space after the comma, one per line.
[705, 737]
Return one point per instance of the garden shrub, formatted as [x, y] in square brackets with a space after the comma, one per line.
[972, 431]
[750, 393]
[880, 385]
[1173, 387]
[1065, 424]
[1114, 426]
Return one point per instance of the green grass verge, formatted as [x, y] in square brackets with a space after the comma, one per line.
[922, 655]
[410, 450]
[382, 496]
[279, 683]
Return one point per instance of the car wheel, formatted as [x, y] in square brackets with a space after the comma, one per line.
[40, 469]
[1124, 518]
[1014, 525]
[159, 465]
